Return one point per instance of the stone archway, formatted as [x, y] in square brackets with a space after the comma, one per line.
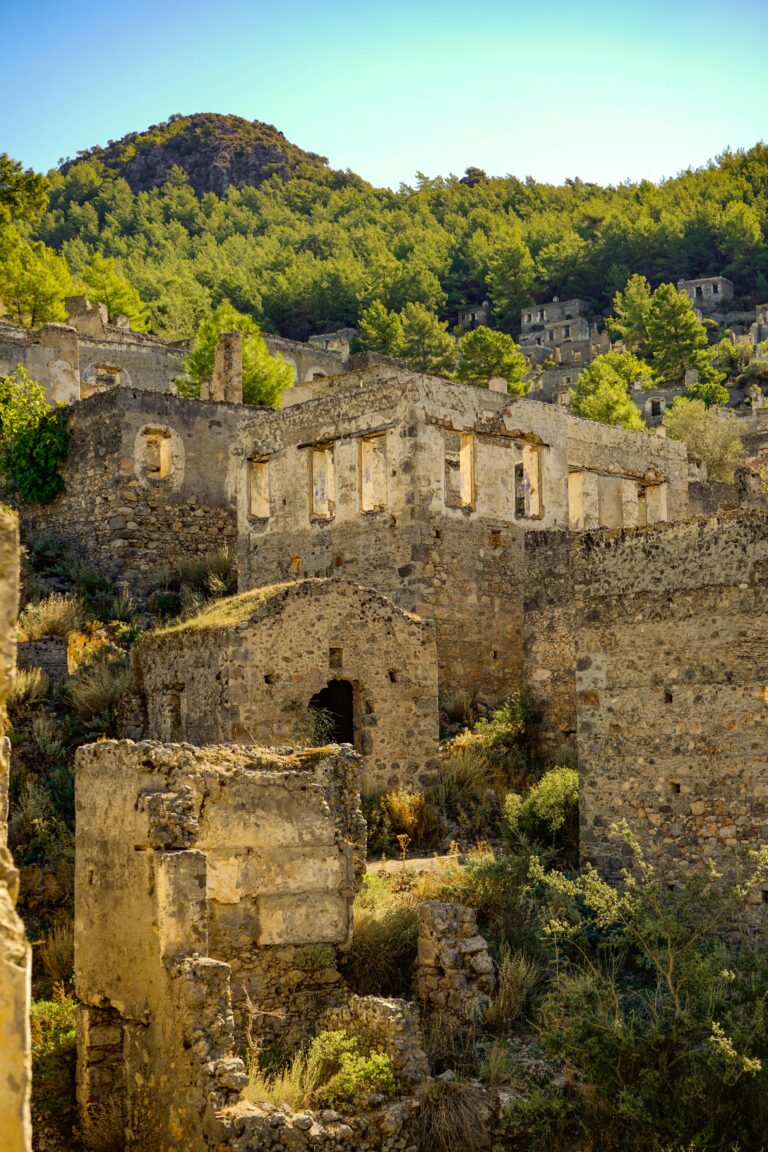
[336, 703]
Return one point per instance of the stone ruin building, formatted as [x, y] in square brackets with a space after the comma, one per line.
[400, 538]
[562, 333]
[15, 953]
[256, 673]
[236, 869]
[708, 293]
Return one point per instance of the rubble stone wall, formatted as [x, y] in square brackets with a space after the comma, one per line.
[672, 689]
[149, 482]
[251, 681]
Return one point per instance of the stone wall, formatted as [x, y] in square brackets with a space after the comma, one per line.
[390, 1026]
[434, 486]
[213, 888]
[49, 354]
[15, 953]
[149, 481]
[246, 671]
[309, 361]
[671, 675]
[454, 971]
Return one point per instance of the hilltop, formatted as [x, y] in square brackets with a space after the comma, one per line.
[216, 152]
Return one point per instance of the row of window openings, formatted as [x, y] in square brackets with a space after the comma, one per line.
[459, 479]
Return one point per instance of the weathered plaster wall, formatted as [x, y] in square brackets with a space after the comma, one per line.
[15, 953]
[49, 354]
[231, 873]
[251, 682]
[130, 511]
[671, 676]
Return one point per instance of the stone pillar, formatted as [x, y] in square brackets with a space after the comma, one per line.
[15, 953]
[610, 499]
[656, 503]
[454, 970]
[583, 501]
[629, 503]
[227, 381]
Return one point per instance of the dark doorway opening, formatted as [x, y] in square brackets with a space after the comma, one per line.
[335, 706]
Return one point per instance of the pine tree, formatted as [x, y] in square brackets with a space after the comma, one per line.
[484, 353]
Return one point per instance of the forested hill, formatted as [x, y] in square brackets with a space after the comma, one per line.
[309, 248]
[216, 152]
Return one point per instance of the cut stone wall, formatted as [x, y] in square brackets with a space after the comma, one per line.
[15, 953]
[247, 670]
[49, 354]
[204, 879]
[149, 481]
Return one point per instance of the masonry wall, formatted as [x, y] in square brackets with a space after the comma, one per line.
[204, 878]
[49, 354]
[252, 682]
[134, 359]
[671, 680]
[130, 512]
[444, 537]
[15, 953]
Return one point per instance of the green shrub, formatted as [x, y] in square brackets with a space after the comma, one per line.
[549, 813]
[53, 1060]
[96, 689]
[332, 1069]
[34, 441]
[403, 811]
[359, 1077]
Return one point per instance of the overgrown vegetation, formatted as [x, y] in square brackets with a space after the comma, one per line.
[332, 1069]
[34, 440]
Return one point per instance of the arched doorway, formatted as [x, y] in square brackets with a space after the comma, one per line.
[335, 707]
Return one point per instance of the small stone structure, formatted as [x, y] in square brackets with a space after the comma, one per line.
[251, 669]
[49, 354]
[390, 1026]
[230, 874]
[150, 481]
[707, 293]
[234, 871]
[15, 953]
[454, 969]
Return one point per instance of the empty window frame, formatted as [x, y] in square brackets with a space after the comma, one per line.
[322, 482]
[373, 473]
[258, 488]
[715, 289]
[158, 454]
[528, 501]
[459, 470]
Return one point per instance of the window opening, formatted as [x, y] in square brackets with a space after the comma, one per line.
[258, 489]
[158, 455]
[323, 483]
[373, 473]
[528, 503]
[459, 470]
[334, 705]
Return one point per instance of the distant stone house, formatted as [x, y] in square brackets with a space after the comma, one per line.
[707, 293]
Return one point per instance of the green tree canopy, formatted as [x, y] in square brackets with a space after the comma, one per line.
[630, 316]
[602, 391]
[714, 438]
[33, 281]
[484, 353]
[265, 377]
[381, 330]
[33, 440]
[676, 339]
[426, 345]
[23, 193]
[103, 282]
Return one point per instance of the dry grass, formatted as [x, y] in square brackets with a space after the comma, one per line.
[517, 978]
[96, 690]
[413, 814]
[292, 1086]
[30, 688]
[56, 615]
[453, 1117]
[380, 961]
[228, 612]
[57, 951]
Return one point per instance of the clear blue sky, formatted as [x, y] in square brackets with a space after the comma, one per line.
[604, 91]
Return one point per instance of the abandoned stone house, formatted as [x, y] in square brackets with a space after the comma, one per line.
[423, 489]
[708, 293]
[15, 953]
[258, 672]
